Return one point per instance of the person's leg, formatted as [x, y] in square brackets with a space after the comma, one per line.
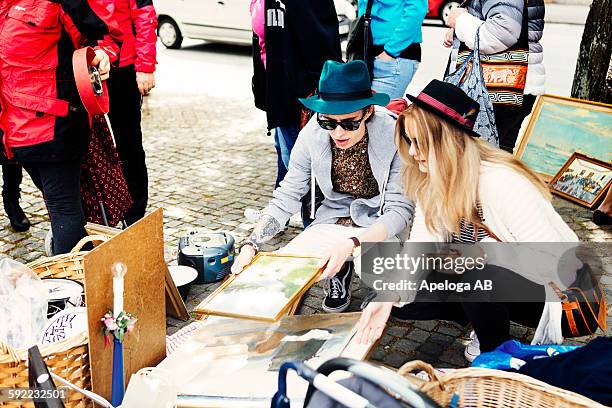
[509, 121]
[284, 139]
[12, 177]
[513, 298]
[125, 117]
[393, 76]
[281, 170]
[60, 184]
[603, 214]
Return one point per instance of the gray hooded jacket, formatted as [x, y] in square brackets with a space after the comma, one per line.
[502, 28]
[310, 164]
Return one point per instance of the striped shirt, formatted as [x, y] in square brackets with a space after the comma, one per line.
[470, 233]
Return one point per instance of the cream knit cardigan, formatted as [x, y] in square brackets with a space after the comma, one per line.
[515, 211]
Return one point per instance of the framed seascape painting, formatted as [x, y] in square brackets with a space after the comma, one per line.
[582, 180]
[561, 126]
[265, 290]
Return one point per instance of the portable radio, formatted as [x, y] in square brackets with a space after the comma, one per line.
[210, 253]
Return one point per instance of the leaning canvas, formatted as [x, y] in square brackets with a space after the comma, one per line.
[265, 290]
[232, 362]
[561, 126]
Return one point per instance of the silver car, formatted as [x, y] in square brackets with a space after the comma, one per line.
[224, 21]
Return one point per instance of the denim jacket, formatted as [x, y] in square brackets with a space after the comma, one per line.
[310, 165]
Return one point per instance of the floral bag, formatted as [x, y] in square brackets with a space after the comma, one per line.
[471, 81]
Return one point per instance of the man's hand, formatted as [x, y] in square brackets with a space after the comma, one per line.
[247, 253]
[449, 37]
[145, 81]
[384, 56]
[102, 62]
[335, 258]
[372, 322]
[454, 14]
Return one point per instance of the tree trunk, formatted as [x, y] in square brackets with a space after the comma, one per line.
[595, 53]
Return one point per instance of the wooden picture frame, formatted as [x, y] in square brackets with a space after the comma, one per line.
[207, 306]
[560, 126]
[569, 182]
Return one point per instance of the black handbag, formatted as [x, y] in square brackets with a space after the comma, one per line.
[360, 40]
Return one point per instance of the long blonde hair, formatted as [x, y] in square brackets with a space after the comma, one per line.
[448, 192]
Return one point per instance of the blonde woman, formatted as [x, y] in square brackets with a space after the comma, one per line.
[467, 191]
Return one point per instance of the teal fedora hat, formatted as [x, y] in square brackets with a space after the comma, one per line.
[344, 88]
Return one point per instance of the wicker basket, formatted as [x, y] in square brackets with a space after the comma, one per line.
[70, 358]
[486, 388]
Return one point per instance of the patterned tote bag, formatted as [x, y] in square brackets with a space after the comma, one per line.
[473, 84]
[104, 191]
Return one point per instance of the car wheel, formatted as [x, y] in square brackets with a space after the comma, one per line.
[169, 33]
[446, 8]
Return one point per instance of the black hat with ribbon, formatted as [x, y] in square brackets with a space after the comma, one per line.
[450, 103]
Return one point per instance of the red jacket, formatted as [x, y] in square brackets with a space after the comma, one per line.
[42, 117]
[137, 20]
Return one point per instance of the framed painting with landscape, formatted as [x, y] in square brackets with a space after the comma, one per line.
[582, 180]
[560, 126]
[265, 290]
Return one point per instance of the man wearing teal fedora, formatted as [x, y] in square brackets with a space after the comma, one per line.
[347, 150]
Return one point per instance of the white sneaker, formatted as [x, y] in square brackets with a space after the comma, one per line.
[472, 350]
[252, 214]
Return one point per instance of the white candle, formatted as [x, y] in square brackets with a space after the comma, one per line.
[119, 271]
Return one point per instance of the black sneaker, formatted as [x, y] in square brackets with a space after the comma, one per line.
[339, 290]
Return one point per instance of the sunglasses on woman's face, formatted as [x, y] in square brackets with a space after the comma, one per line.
[331, 124]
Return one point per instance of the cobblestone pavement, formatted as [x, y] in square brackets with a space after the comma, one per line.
[209, 159]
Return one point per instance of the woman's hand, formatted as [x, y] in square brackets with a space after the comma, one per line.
[335, 258]
[102, 62]
[454, 14]
[372, 323]
[449, 37]
[247, 253]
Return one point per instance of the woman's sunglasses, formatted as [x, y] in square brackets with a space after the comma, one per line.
[331, 124]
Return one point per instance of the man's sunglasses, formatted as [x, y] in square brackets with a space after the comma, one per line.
[331, 124]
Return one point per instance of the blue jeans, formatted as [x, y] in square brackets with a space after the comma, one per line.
[284, 139]
[393, 76]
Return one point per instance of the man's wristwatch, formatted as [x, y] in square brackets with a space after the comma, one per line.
[356, 246]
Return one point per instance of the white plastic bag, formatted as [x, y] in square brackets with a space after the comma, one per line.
[150, 387]
[23, 305]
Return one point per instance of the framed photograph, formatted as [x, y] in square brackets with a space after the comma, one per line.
[561, 126]
[265, 290]
[582, 180]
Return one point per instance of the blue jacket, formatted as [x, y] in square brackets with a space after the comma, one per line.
[396, 23]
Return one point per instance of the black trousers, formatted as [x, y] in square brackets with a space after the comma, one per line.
[60, 185]
[509, 120]
[490, 318]
[125, 116]
[11, 180]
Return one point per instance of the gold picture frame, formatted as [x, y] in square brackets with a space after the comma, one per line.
[241, 286]
[559, 126]
[582, 180]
